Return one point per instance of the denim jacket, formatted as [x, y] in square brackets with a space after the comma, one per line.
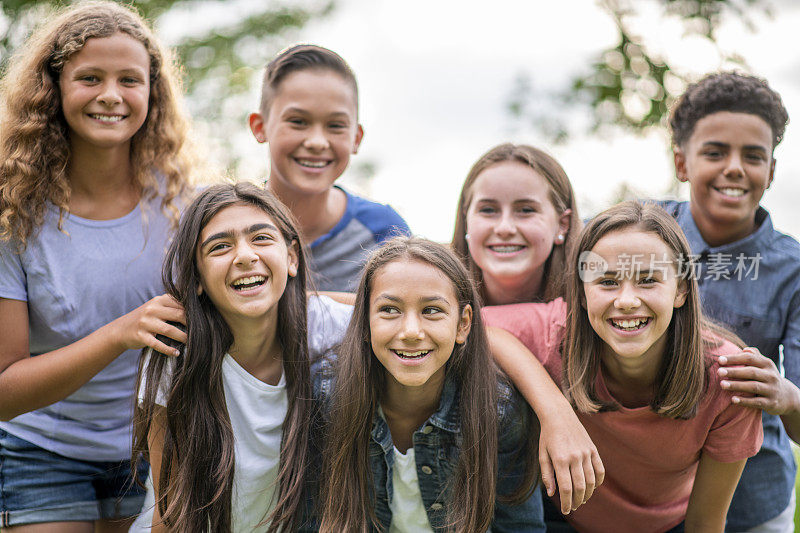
[436, 448]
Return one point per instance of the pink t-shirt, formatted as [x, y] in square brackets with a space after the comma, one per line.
[650, 460]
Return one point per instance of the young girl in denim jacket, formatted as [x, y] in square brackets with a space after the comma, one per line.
[423, 432]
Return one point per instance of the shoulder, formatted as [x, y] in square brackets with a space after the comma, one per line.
[528, 319]
[383, 221]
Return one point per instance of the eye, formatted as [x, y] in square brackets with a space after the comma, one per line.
[755, 156]
[337, 126]
[650, 280]
[388, 310]
[296, 121]
[607, 282]
[487, 210]
[130, 80]
[526, 210]
[713, 154]
[263, 238]
[217, 246]
[89, 78]
[432, 310]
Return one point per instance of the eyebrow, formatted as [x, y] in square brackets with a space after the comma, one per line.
[718, 144]
[393, 298]
[228, 234]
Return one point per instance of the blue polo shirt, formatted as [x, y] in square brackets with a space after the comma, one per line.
[752, 286]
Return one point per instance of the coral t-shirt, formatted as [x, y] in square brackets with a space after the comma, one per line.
[650, 460]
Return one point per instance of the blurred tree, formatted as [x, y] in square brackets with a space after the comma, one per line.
[627, 86]
[221, 44]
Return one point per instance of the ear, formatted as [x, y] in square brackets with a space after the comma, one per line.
[293, 258]
[464, 325]
[258, 126]
[771, 173]
[682, 294]
[199, 289]
[563, 226]
[359, 137]
[679, 157]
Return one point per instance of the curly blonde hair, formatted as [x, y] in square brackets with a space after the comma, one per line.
[34, 145]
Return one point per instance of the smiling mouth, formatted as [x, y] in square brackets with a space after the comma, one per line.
[108, 119]
[731, 191]
[308, 163]
[419, 354]
[506, 248]
[247, 283]
[632, 324]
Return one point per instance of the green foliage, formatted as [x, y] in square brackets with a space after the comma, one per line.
[626, 85]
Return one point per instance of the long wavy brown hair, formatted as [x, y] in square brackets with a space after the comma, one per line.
[196, 478]
[34, 136]
[561, 196]
[681, 379]
[347, 492]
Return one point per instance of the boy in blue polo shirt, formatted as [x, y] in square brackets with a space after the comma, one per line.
[309, 117]
[724, 131]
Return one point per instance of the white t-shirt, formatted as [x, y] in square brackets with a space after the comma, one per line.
[257, 411]
[408, 511]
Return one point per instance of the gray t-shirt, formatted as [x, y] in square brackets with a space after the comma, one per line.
[76, 281]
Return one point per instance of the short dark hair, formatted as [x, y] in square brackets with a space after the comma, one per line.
[728, 91]
[302, 57]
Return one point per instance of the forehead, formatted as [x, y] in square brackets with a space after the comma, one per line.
[412, 280]
[235, 218]
[624, 247]
[509, 180]
[116, 52]
[735, 129]
[315, 90]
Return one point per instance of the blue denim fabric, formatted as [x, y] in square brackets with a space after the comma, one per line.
[765, 313]
[436, 447]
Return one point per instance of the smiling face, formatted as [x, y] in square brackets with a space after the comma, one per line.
[512, 227]
[244, 263]
[312, 128]
[105, 88]
[631, 296]
[415, 322]
[728, 164]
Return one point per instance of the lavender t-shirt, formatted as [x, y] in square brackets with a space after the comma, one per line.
[76, 281]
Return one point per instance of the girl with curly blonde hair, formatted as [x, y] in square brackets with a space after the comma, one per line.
[94, 168]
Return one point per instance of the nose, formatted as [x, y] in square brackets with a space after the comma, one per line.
[110, 94]
[506, 226]
[734, 168]
[411, 328]
[245, 255]
[316, 140]
[627, 297]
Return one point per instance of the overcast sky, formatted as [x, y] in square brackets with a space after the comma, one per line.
[435, 76]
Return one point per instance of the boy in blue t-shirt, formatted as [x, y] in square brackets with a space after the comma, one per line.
[309, 117]
[724, 131]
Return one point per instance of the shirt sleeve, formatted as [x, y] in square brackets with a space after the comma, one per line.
[327, 322]
[13, 281]
[790, 343]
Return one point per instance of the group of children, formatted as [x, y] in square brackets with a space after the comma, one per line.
[153, 332]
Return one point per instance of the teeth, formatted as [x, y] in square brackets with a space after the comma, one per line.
[630, 324]
[507, 248]
[248, 281]
[731, 192]
[312, 164]
[108, 118]
[412, 355]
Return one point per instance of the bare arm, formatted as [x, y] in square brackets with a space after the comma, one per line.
[155, 447]
[567, 455]
[757, 383]
[711, 495]
[28, 383]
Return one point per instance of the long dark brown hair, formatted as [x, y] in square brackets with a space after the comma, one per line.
[196, 479]
[561, 196]
[347, 494]
[681, 379]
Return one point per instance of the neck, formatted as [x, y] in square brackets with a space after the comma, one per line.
[317, 213]
[720, 234]
[631, 382]
[256, 347]
[101, 181]
[406, 408]
[513, 290]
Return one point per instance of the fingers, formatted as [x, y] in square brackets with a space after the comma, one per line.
[747, 357]
[578, 485]
[564, 480]
[548, 475]
[591, 480]
[159, 346]
[599, 469]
